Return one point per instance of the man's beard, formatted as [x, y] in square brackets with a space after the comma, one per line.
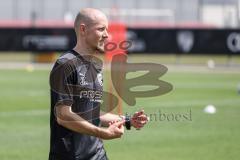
[100, 50]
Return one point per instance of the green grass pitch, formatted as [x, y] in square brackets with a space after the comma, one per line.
[24, 119]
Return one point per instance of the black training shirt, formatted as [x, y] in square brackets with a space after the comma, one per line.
[76, 81]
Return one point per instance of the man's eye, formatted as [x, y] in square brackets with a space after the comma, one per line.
[101, 29]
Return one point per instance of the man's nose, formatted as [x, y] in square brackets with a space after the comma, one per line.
[105, 35]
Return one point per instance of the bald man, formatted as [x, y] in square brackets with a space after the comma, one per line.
[77, 124]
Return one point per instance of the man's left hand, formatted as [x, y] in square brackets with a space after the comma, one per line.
[139, 119]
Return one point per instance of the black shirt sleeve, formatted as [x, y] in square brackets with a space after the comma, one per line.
[61, 82]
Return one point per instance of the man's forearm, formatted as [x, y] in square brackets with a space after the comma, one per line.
[74, 122]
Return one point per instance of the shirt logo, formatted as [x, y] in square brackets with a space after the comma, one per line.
[83, 80]
[100, 79]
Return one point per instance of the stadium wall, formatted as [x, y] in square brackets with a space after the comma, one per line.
[141, 40]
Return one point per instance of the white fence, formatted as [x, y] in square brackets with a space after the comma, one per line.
[221, 13]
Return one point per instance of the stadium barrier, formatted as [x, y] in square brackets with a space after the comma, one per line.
[143, 40]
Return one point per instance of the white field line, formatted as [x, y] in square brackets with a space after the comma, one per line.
[24, 65]
[171, 67]
[193, 103]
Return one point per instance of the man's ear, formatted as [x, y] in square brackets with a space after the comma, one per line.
[82, 29]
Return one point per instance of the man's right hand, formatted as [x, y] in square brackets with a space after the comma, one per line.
[115, 130]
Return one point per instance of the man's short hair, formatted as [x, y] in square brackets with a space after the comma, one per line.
[82, 17]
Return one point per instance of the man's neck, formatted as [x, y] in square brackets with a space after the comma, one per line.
[83, 49]
[87, 53]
